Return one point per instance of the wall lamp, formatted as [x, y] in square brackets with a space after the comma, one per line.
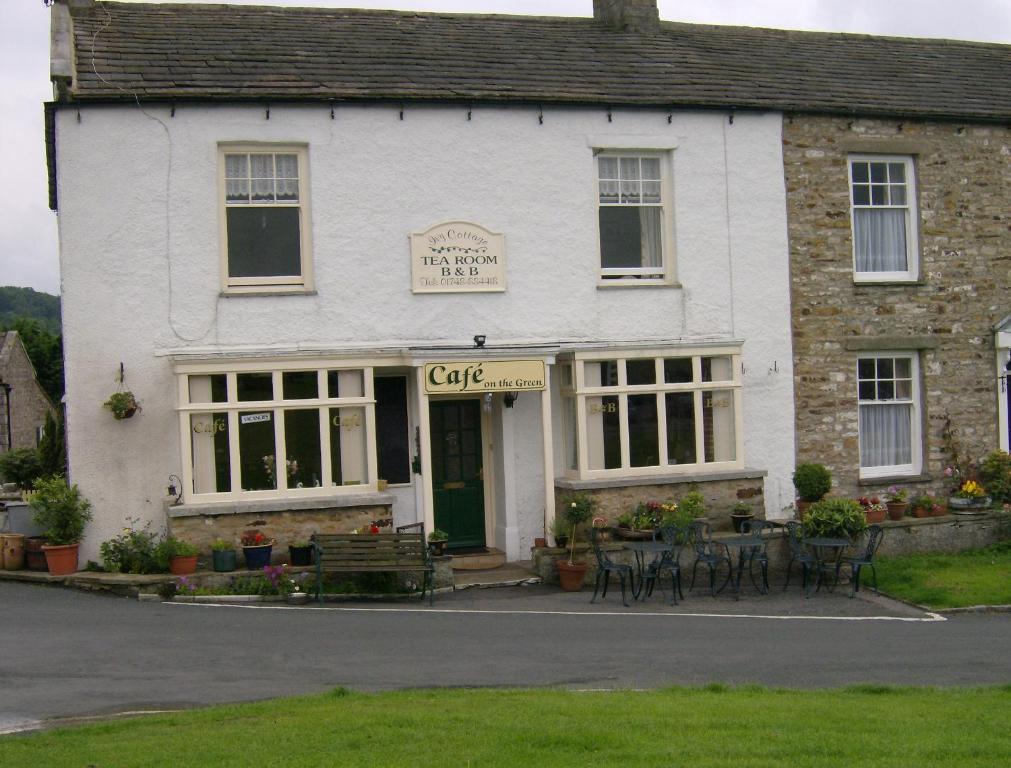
[175, 488]
[479, 340]
[510, 398]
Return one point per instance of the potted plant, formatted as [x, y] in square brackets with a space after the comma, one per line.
[577, 509]
[835, 518]
[897, 502]
[970, 496]
[560, 531]
[923, 505]
[300, 552]
[122, 404]
[742, 513]
[180, 557]
[222, 556]
[692, 506]
[874, 510]
[812, 482]
[62, 512]
[256, 549]
[437, 540]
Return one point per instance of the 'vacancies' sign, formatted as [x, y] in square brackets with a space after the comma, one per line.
[483, 376]
[457, 256]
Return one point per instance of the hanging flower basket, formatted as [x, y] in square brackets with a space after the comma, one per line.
[122, 404]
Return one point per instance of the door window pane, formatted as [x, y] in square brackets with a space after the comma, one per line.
[257, 455]
[392, 439]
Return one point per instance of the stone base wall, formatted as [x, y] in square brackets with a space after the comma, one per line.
[720, 498]
[284, 527]
[947, 315]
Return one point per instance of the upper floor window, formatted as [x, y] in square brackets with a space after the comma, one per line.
[889, 405]
[882, 194]
[633, 210]
[265, 218]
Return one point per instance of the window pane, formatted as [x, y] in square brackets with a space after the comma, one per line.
[885, 368]
[262, 190]
[639, 372]
[208, 389]
[287, 166]
[643, 434]
[300, 385]
[609, 191]
[261, 166]
[903, 367]
[263, 242]
[867, 390]
[896, 172]
[630, 236]
[211, 459]
[237, 190]
[602, 433]
[651, 168]
[630, 168]
[608, 167]
[255, 386]
[717, 369]
[569, 431]
[301, 438]
[878, 195]
[677, 370]
[718, 425]
[393, 450]
[600, 373]
[630, 192]
[886, 390]
[236, 167]
[898, 195]
[879, 172]
[347, 446]
[256, 450]
[879, 240]
[903, 390]
[886, 435]
[345, 383]
[865, 368]
[680, 427]
[861, 194]
[860, 172]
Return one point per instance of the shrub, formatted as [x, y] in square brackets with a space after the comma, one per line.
[21, 466]
[812, 481]
[132, 551]
[221, 545]
[170, 547]
[60, 510]
[835, 518]
[995, 472]
[692, 506]
[579, 507]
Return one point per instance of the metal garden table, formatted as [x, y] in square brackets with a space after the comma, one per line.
[828, 552]
[640, 549]
[747, 546]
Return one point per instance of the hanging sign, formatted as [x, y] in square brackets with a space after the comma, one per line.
[483, 376]
[457, 257]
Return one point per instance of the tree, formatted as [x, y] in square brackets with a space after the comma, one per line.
[52, 448]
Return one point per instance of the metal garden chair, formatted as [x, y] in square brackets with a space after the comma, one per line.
[605, 567]
[710, 553]
[759, 553]
[798, 553]
[669, 562]
[874, 535]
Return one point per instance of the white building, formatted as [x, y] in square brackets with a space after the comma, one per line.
[483, 299]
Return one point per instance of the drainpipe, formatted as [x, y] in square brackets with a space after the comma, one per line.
[7, 402]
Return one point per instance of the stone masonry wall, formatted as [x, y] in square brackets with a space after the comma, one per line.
[284, 527]
[964, 174]
[28, 401]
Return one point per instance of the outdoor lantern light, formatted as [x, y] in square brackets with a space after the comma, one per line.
[479, 340]
[175, 488]
[509, 398]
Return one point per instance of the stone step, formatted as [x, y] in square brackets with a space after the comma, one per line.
[479, 561]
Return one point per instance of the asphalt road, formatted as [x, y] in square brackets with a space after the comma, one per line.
[65, 653]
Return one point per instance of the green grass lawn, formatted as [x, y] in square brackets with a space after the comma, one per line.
[974, 577]
[713, 726]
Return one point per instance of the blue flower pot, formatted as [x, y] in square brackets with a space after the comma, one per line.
[257, 557]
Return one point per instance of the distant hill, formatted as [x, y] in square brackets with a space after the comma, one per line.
[18, 303]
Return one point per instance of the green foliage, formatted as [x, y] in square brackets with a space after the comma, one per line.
[21, 466]
[812, 481]
[995, 472]
[122, 404]
[221, 545]
[693, 506]
[45, 350]
[835, 518]
[560, 527]
[60, 510]
[18, 304]
[578, 507]
[170, 547]
[132, 551]
[52, 449]
[438, 535]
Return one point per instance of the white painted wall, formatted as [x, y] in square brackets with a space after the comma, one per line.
[139, 256]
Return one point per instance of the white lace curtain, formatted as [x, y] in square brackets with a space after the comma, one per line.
[886, 435]
[650, 237]
[880, 239]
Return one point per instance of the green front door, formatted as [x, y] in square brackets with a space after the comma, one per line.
[457, 476]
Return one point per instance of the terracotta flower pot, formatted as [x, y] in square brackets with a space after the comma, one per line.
[896, 509]
[802, 508]
[13, 551]
[182, 565]
[874, 516]
[61, 559]
[571, 575]
[35, 558]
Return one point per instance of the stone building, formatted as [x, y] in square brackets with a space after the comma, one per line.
[23, 403]
[900, 323]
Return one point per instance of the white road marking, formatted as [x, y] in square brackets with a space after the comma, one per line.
[929, 617]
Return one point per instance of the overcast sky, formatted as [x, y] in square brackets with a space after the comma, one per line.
[28, 241]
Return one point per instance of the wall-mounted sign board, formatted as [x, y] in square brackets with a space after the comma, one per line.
[457, 257]
[469, 376]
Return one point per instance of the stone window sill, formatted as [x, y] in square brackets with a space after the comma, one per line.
[573, 484]
[281, 505]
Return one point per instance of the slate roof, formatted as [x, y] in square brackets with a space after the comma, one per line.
[215, 52]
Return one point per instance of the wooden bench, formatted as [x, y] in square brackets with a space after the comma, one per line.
[400, 552]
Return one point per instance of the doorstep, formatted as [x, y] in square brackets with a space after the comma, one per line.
[507, 575]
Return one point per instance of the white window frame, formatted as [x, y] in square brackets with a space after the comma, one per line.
[631, 276]
[277, 406]
[301, 283]
[911, 209]
[915, 416]
[581, 391]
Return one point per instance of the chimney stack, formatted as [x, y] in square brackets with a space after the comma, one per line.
[628, 15]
